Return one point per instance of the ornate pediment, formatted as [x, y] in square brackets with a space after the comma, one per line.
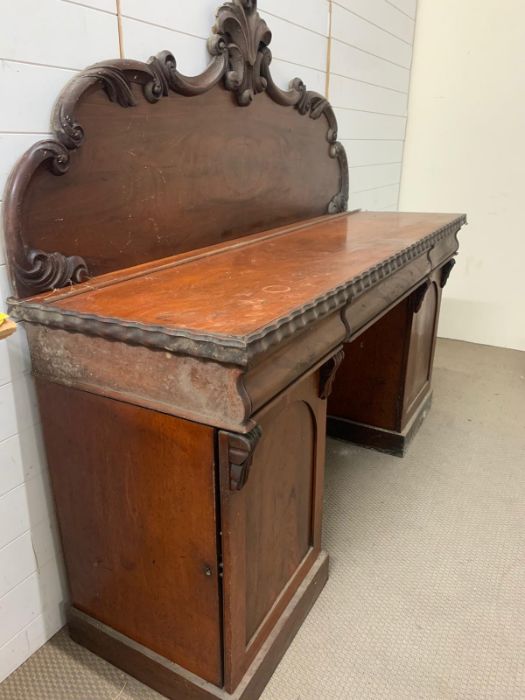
[242, 32]
[241, 60]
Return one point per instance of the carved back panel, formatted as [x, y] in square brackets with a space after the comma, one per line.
[148, 163]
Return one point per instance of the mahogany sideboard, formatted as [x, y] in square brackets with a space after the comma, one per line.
[188, 276]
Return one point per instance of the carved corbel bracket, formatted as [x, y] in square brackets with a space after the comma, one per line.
[445, 272]
[241, 449]
[327, 374]
[418, 296]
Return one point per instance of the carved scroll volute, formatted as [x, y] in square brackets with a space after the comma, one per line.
[242, 31]
[240, 450]
[32, 270]
[327, 374]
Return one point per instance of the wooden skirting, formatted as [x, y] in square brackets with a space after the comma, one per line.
[175, 682]
[388, 441]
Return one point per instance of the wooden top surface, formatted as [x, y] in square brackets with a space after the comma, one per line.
[238, 290]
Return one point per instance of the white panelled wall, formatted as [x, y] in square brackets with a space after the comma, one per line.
[42, 43]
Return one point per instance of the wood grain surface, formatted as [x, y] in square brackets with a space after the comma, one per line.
[135, 494]
[238, 290]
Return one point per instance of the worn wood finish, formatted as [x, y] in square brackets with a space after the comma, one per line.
[384, 385]
[271, 529]
[188, 277]
[390, 441]
[283, 281]
[146, 162]
[135, 494]
[177, 683]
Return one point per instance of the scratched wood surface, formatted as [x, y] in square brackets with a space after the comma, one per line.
[236, 290]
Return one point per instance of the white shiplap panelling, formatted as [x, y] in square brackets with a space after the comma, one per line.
[367, 125]
[373, 152]
[346, 93]
[42, 44]
[144, 40]
[351, 29]
[384, 15]
[36, 88]
[368, 177]
[56, 33]
[298, 45]
[194, 18]
[312, 14]
[21, 458]
[284, 72]
[360, 65]
[370, 60]
[377, 199]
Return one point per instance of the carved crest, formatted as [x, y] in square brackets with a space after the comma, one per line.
[240, 58]
[244, 34]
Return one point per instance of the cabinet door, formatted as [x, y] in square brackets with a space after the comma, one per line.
[420, 355]
[135, 495]
[271, 527]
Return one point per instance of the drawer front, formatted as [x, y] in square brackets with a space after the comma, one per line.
[271, 525]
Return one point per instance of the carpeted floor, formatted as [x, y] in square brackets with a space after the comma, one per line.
[427, 588]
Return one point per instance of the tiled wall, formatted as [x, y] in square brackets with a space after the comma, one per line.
[42, 43]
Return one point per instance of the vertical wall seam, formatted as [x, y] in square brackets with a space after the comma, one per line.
[119, 29]
[408, 108]
[328, 52]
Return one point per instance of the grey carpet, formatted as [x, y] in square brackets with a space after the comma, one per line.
[426, 593]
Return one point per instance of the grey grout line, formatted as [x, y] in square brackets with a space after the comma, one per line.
[402, 11]
[374, 165]
[370, 111]
[39, 65]
[371, 53]
[295, 24]
[373, 189]
[163, 26]
[377, 26]
[89, 7]
[365, 82]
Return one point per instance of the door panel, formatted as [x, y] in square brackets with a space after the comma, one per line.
[135, 495]
[271, 527]
[419, 362]
[278, 508]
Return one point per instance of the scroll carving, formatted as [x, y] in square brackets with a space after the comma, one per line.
[445, 272]
[244, 34]
[327, 374]
[241, 449]
[240, 57]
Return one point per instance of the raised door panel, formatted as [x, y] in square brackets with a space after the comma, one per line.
[419, 361]
[271, 526]
[135, 495]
